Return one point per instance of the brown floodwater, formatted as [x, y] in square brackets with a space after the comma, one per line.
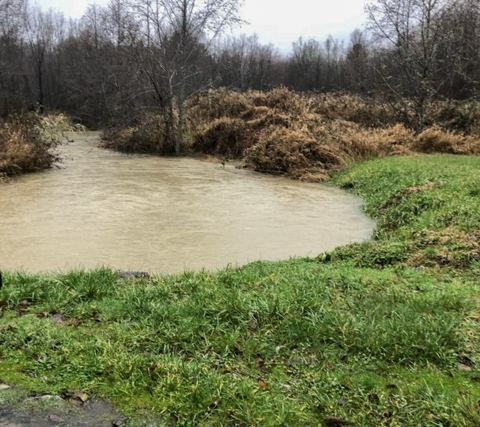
[132, 212]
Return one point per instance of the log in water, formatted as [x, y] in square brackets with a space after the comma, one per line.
[103, 208]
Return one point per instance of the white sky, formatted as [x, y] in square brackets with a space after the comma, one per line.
[280, 22]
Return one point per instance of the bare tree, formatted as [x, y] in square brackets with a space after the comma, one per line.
[44, 32]
[307, 65]
[244, 63]
[357, 62]
[314, 65]
[12, 17]
[463, 66]
[178, 36]
[409, 35]
[12, 22]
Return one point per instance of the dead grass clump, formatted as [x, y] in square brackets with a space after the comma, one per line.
[255, 113]
[308, 147]
[21, 149]
[143, 135]
[225, 137]
[436, 140]
[263, 117]
[391, 141]
[295, 153]
[376, 112]
[346, 137]
[311, 152]
[251, 105]
[280, 150]
[306, 136]
[367, 112]
[296, 134]
[456, 116]
[281, 99]
[227, 123]
[215, 104]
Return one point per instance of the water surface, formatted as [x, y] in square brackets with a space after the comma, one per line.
[165, 214]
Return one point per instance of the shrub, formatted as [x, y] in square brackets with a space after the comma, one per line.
[144, 134]
[22, 149]
[28, 142]
[303, 136]
[367, 112]
[224, 136]
[436, 140]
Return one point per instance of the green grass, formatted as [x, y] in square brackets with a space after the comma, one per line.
[381, 333]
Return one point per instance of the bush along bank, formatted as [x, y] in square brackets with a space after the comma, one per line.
[20, 149]
[380, 333]
[303, 136]
[28, 142]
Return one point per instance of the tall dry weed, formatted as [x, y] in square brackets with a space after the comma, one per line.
[456, 116]
[437, 140]
[317, 149]
[206, 107]
[365, 111]
[145, 134]
[21, 150]
[225, 137]
[283, 100]
[307, 136]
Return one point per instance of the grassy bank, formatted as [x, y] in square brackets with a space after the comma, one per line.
[380, 333]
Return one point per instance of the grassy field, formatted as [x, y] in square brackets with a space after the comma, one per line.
[380, 333]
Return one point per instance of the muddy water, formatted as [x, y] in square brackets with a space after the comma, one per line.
[165, 215]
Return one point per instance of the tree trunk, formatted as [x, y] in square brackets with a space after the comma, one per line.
[180, 126]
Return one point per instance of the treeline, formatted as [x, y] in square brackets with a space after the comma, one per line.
[143, 54]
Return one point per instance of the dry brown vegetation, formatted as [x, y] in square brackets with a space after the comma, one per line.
[145, 134]
[20, 151]
[305, 136]
[27, 143]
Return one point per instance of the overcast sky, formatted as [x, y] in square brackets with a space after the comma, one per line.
[277, 21]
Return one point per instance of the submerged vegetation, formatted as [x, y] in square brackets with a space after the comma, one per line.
[303, 136]
[380, 333]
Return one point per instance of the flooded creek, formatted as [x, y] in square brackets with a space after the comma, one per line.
[165, 214]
